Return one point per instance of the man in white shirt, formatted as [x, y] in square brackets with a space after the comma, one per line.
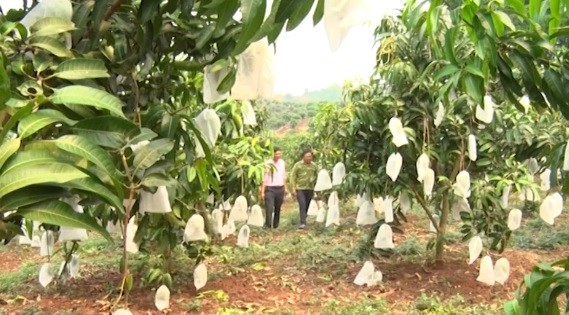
[273, 188]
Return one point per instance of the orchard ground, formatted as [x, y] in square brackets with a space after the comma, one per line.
[290, 271]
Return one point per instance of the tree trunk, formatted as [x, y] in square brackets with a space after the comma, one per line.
[440, 242]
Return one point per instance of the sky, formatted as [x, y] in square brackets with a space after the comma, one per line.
[304, 60]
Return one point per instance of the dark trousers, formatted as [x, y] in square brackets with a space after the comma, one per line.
[303, 197]
[274, 196]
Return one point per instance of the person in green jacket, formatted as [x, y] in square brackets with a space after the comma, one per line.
[303, 179]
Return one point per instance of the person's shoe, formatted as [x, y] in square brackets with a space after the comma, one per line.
[302, 227]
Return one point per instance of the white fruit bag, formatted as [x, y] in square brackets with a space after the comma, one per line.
[209, 124]
[243, 237]
[384, 237]
[429, 182]
[46, 274]
[396, 129]
[486, 274]
[256, 216]
[487, 114]
[211, 83]
[312, 208]
[195, 229]
[338, 173]
[157, 202]
[472, 150]
[321, 216]
[551, 208]
[393, 166]
[200, 276]
[333, 215]
[388, 204]
[366, 214]
[423, 164]
[502, 270]
[339, 17]
[162, 298]
[514, 219]
[323, 182]
[46, 243]
[474, 249]
[239, 211]
[217, 220]
[255, 73]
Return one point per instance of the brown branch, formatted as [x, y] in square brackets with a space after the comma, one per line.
[425, 207]
[114, 7]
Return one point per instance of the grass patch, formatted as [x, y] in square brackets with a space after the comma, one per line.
[364, 306]
[11, 282]
[536, 234]
[454, 305]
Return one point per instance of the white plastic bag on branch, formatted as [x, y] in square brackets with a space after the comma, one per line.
[528, 194]
[213, 76]
[333, 199]
[333, 215]
[228, 229]
[248, 113]
[525, 102]
[486, 274]
[113, 227]
[217, 220]
[339, 17]
[46, 243]
[487, 114]
[226, 206]
[46, 274]
[69, 233]
[243, 237]
[429, 182]
[393, 166]
[321, 217]
[505, 199]
[533, 166]
[388, 204]
[551, 208]
[239, 211]
[472, 150]
[502, 270]
[131, 229]
[255, 73]
[396, 129]
[423, 164]
[157, 202]
[139, 145]
[195, 229]
[514, 219]
[48, 8]
[545, 181]
[256, 216]
[200, 276]
[162, 298]
[338, 173]
[404, 202]
[462, 185]
[312, 208]
[36, 241]
[384, 237]
[366, 214]
[323, 182]
[474, 249]
[379, 205]
[74, 266]
[209, 124]
[440, 114]
[368, 275]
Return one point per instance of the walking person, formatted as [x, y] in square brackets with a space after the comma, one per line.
[274, 189]
[303, 179]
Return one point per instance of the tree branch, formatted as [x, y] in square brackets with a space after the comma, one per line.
[115, 6]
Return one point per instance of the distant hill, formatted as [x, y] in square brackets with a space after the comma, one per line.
[329, 94]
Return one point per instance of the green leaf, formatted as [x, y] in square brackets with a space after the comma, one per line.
[4, 83]
[28, 158]
[534, 8]
[38, 120]
[37, 174]
[79, 69]
[300, 12]
[147, 10]
[60, 213]
[225, 12]
[158, 179]
[83, 95]
[504, 18]
[151, 153]
[107, 131]
[318, 12]
[7, 149]
[52, 45]
[51, 26]
[474, 87]
[518, 6]
[145, 134]
[447, 70]
[21, 113]
[253, 12]
[84, 148]
[30, 195]
[285, 10]
[94, 186]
